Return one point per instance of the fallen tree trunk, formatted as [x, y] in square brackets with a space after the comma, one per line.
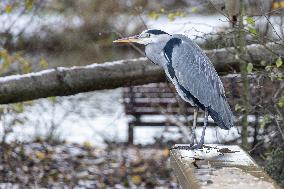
[68, 81]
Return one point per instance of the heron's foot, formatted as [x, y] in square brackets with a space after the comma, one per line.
[195, 165]
[181, 148]
[192, 143]
[190, 147]
[197, 146]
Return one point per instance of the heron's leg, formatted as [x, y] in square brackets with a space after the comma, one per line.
[195, 111]
[201, 142]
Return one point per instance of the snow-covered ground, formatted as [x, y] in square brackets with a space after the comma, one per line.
[31, 25]
[83, 117]
[95, 117]
[192, 26]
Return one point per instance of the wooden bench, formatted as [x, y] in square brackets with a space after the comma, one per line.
[146, 101]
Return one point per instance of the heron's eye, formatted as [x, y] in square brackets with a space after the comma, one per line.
[146, 35]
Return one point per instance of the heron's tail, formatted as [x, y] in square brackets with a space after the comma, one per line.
[222, 115]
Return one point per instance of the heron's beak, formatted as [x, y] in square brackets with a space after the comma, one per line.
[133, 39]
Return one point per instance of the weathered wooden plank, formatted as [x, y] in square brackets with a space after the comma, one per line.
[163, 124]
[155, 112]
[218, 167]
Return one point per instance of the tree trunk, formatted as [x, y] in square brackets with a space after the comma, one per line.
[245, 84]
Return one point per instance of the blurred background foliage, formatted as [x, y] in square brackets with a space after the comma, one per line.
[75, 27]
[41, 34]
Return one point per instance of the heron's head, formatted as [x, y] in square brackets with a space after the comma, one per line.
[145, 38]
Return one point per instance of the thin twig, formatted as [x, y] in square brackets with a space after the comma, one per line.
[258, 144]
[273, 28]
[279, 128]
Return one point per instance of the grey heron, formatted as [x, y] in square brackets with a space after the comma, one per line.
[192, 73]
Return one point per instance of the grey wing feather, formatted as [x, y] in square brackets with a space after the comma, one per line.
[204, 64]
[196, 74]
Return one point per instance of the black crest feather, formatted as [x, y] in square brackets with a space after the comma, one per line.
[156, 32]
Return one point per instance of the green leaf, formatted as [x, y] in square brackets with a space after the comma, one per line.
[180, 14]
[249, 67]
[262, 124]
[154, 15]
[6, 59]
[250, 21]
[171, 16]
[183, 14]
[238, 107]
[43, 63]
[8, 8]
[252, 31]
[29, 4]
[53, 99]
[27, 68]
[281, 102]
[6, 64]
[264, 121]
[268, 68]
[19, 107]
[193, 9]
[279, 62]
[19, 121]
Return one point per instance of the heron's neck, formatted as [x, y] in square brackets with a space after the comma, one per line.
[154, 51]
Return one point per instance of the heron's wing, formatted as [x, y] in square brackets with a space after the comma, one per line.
[192, 68]
[196, 77]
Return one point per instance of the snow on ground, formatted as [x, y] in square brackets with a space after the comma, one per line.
[17, 23]
[95, 117]
[83, 117]
[191, 26]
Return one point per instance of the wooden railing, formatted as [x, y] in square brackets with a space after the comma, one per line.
[222, 167]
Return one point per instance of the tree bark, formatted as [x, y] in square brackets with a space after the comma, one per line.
[252, 7]
[243, 69]
[68, 81]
